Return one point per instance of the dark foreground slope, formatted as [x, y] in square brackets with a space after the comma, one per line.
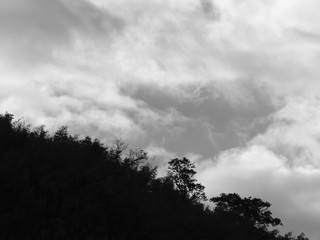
[60, 187]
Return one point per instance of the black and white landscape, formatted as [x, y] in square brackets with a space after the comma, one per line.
[231, 85]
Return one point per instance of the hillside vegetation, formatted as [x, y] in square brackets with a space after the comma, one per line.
[61, 187]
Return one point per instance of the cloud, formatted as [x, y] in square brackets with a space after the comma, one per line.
[295, 132]
[159, 157]
[177, 51]
[75, 60]
[209, 9]
[174, 51]
[257, 171]
[33, 31]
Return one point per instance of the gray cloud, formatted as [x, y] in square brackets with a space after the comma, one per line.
[214, 125]
[32, 30]
[209, 9]
[305, 35]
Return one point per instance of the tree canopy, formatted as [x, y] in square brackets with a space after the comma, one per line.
[252, 210]
[57, 186]
[181, 172]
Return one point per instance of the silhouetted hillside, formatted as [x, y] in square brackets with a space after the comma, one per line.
[61, 187]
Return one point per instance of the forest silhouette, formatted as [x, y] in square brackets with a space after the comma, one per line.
[57, 186]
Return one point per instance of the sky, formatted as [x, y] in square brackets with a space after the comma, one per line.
[234, 85]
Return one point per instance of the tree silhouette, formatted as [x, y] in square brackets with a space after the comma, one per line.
[61, 187]
[181, 172]
[252, 210]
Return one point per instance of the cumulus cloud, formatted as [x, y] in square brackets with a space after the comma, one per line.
[258, 171]
[295, 133]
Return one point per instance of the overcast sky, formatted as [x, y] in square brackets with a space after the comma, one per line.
[234, 85]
